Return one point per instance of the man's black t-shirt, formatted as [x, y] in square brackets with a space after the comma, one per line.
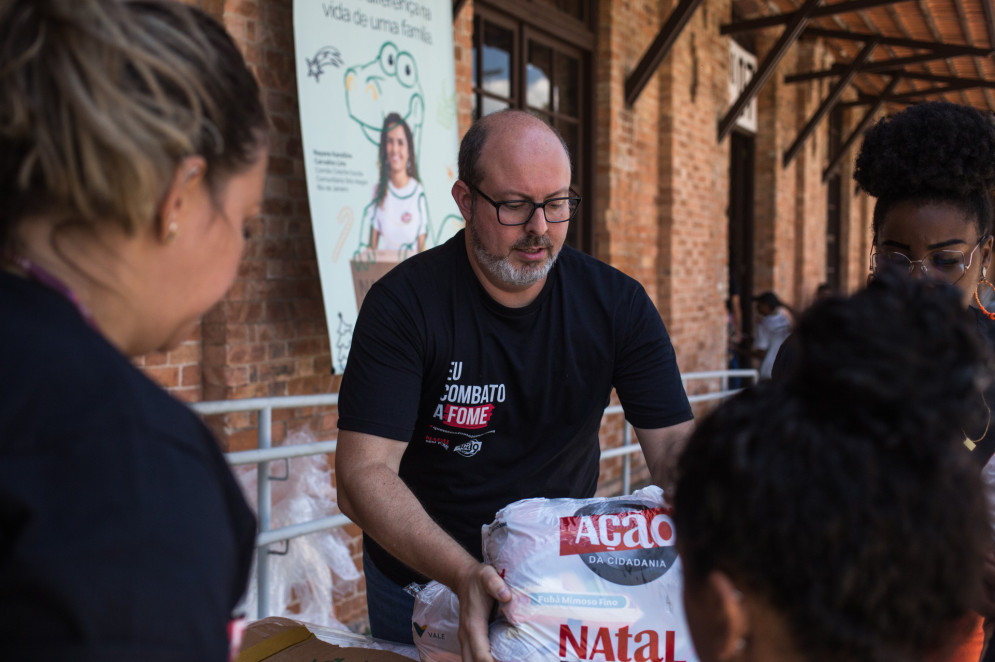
[499, 404]
[123, 534]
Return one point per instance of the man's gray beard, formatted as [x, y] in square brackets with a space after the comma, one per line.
[502, 268]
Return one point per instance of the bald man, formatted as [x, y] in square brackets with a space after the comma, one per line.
[478, 375]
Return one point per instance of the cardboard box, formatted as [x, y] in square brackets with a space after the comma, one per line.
[276, 639]
[369, 267]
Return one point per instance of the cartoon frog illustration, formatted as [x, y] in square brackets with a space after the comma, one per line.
[387, 84]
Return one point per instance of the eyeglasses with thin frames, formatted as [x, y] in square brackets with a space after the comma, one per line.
[520, 212]
[943, 264]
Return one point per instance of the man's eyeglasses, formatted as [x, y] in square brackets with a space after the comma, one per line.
[943, 265]
[519, 212]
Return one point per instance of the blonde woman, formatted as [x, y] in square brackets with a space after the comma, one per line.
[132, 151]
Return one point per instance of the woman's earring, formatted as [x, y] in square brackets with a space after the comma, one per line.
[977, 299]
[171, 231]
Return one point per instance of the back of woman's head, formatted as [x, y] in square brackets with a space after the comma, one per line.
[934, 152]
[99, 102]
[844, 496]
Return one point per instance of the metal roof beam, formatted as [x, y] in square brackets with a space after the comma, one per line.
[766, 69]
[830, 101]
[858, 130]
[661, 45]
[950, 49]
[781, 19]
[914, 96]
[939, 78]
[869, 67]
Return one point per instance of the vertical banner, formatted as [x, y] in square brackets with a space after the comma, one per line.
[377, 100]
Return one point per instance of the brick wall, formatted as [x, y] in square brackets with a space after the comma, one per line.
[810, 194]
[658, 167]
[774, 265]
[696, 180]
[790, 210]
[857, 213]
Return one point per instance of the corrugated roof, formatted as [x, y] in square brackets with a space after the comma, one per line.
[923, 43]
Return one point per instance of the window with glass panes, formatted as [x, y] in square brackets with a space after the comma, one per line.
[518, 63]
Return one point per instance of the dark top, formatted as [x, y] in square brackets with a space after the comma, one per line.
[123, 534]
[499, 404]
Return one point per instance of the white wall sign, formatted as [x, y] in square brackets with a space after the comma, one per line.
[742, 66]
[378, 117]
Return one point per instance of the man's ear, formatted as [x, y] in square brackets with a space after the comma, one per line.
[733, 613]
[187, 177]
[464, 199]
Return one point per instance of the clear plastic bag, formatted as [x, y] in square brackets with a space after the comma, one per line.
[317, 566]
[435, 624]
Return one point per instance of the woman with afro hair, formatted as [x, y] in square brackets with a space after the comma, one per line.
[931, 168]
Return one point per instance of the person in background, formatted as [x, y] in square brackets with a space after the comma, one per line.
[773, 326]
[133, 148]
[823, 291]
[478, 374]
[399, 210]
[834, 515]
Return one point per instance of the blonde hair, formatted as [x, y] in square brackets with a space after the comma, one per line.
[100, 100]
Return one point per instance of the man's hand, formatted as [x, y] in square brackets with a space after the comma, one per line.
[477, 589]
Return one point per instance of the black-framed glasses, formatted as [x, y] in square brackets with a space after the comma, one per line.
[519, 212]
[943, 264]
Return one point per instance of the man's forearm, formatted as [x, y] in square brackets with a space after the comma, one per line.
[383, 506]
[662, 448]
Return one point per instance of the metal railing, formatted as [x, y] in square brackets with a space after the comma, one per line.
[265, 454]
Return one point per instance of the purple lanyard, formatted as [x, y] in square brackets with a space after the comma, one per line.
[46, 278]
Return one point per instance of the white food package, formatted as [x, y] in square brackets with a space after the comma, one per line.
[591, 579]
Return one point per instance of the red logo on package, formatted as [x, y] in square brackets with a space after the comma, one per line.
[616, 532]
[623, 542]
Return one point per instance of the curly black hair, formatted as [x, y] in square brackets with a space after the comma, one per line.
[844, 495]
[934, 152]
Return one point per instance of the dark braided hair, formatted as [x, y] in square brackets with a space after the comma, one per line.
[935, 152]
[843, 495]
